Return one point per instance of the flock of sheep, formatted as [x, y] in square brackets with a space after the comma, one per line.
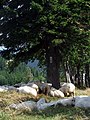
[35, 88]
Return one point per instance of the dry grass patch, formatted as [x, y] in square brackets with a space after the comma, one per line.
[14, 97]
[83, 92]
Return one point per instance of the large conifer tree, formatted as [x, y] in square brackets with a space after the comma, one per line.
[43, 30]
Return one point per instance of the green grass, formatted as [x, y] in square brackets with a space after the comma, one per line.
[52, 113]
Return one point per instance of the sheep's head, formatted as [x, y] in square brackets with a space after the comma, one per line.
[67, 102]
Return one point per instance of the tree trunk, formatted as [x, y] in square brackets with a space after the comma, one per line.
[68, 77]
[78, 75]
[89, 75]
[72, 74]
[53, 65]
[87, 78]
[67, 72]
[82, 79]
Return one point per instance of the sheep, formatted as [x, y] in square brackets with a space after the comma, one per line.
[56, 93]
[33, 85]
[44, 88]
[68, 89]
[66, 102]
[3, 89]
[82, 101]
[40, 87]
[27, 89]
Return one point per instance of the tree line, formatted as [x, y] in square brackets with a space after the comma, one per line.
[80, 76]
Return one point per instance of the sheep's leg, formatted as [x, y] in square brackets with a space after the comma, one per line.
[74, 94]
[65, 94]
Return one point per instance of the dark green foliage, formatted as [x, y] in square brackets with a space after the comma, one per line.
[39, 74]
[30, 28]
[2, 63]
[22, 73]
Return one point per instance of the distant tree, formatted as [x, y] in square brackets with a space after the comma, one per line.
[2, 63]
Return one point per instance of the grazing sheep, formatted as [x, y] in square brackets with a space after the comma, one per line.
[27, 89]
[56, 93]
[68, 89]
[44, 88]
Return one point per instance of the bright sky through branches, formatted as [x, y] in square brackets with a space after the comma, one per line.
[2, 48]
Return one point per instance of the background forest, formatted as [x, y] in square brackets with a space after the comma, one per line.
[32, 72]
[22, 73]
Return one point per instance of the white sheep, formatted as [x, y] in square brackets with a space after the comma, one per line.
[82, 101]
[68, 89]
[27, 89]
[33, 85]
[56, 93]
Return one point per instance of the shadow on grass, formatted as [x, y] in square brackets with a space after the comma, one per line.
[70, 113]
[81, 88]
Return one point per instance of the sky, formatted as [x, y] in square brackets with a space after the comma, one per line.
[2, 48]
[32, 64]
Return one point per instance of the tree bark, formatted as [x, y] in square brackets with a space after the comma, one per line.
[87, 78]
[82, 79]
[67, 72]
[78, 75]
[53, 65]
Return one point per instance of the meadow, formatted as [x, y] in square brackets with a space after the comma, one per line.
[52, 113]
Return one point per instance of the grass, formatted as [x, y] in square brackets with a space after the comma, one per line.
[52, 113]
